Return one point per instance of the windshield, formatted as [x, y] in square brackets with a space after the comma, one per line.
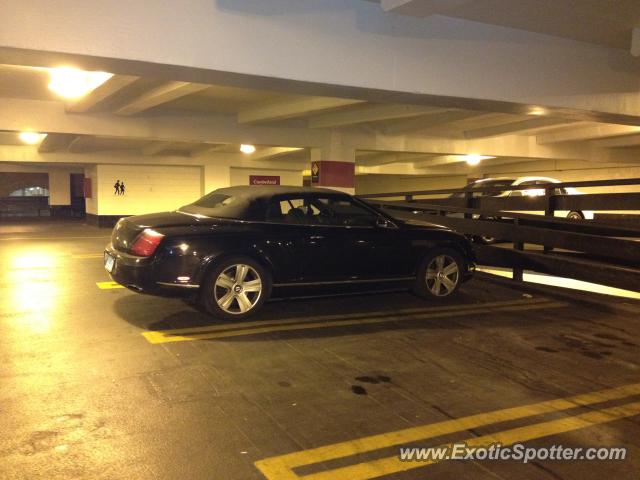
[499, 184]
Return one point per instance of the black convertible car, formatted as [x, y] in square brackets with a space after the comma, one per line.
[236, 247]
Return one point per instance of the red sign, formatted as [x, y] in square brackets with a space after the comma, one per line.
[264, 180]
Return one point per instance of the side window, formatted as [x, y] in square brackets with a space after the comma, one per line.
[296, 210]
[342, 212]
[533, 191]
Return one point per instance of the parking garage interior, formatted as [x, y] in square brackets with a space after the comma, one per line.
[109, 112]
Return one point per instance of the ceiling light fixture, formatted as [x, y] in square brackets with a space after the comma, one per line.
[474, 159]
[247, 148]
[72, 83]
[31, 138]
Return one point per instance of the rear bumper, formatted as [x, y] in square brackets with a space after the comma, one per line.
[138, 274]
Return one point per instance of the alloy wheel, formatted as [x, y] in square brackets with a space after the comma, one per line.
[442, 275]
[237, 289]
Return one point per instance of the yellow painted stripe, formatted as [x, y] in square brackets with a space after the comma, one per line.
[390, 465]
[348, 316]
[281, 467]
[108, 285]
[226, 331]
[88, 255]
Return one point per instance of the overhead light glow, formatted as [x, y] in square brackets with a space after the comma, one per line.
[538, 111]
[474, 159]
[247, 148]
[73, 83]
[31, 138]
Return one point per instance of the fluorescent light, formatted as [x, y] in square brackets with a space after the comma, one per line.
[474, 159]
[73, 83]
[247, 148]
[31, 138]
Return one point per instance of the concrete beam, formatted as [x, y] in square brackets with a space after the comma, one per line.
[80, 144]
[587, 133]
[55, 141]
[624, 141]
[435, 119]
[520, 126]
[102, 93]
[153, 148]
[159, 95]
[299, 107]
[29, 155]
[50, 117]
[421, 8]
[370, 113]
[270, 153]
[18, 115]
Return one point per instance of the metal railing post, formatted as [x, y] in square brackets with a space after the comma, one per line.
[518, 273]
[550, 210]
[468, 203]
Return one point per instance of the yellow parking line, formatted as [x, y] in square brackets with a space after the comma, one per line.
[234, 330]
[281, 467]
[88, 255]
[108, 285]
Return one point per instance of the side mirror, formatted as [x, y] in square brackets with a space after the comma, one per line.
[382, 223]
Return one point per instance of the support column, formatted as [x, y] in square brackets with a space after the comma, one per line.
[333, 166]
[60, 192]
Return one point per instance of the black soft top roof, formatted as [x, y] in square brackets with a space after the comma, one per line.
[268, 191]
[250, 202]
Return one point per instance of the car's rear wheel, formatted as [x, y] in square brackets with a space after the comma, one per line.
[440, 274]
[575, 216]
[236, 288]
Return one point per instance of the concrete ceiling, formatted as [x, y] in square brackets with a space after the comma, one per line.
[604, 22]
[151, 117]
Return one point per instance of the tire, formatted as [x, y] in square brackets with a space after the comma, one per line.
[235, 288]
[486, 239]
[432, 286]
[575, 216]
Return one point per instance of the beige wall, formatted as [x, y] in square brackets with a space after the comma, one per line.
[400, 183]
[148, 188]
[562, 170]
[240, 176]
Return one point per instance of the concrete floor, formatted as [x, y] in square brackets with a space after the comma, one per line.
[87, 392]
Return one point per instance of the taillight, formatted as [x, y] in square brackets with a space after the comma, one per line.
[146, 243]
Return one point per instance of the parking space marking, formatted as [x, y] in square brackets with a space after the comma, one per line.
[108, 285]
[250, 328]
[82, 256]
[282, 467]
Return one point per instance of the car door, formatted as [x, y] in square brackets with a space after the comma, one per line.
[368, 245]
[314, 247]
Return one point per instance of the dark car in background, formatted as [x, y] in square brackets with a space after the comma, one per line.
[236, 247]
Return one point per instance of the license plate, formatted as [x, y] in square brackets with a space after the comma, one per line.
[109, 262]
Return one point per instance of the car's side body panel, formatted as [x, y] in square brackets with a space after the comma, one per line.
[294, 254]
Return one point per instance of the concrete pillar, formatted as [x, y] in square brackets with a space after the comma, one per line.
[333, 166]
[60, 192]
[59, 187]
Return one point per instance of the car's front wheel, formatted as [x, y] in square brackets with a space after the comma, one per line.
[236, 288]
[440, 274]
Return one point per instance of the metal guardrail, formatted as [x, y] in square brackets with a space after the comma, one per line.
[598, 252]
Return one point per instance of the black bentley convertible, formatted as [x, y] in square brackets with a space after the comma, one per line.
[236, 247]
